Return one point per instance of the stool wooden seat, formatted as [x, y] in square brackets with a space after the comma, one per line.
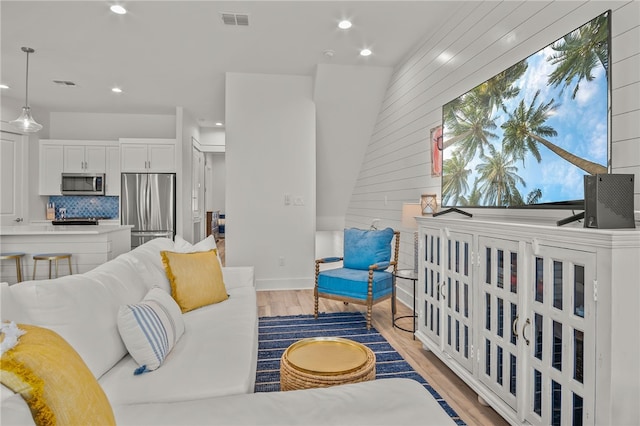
[17, 256]
[51, 257]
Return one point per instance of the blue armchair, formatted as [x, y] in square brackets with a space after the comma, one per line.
[365, 278]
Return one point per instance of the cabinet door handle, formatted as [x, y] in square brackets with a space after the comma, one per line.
[526, 324]
[514, 327]
[442, 291]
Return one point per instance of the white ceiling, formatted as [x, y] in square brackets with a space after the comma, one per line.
[165, 54]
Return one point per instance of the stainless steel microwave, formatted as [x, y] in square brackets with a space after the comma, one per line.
[83, 184]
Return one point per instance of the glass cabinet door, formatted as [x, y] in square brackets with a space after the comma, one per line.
[559, 335]
[499, 290]
[430, 280]
[456, 291]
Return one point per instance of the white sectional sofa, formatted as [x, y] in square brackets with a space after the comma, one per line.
[208, 377]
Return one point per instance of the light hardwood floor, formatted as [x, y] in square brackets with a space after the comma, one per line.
[459, 396]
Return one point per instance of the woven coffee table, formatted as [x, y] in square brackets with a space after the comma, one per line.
[321, 362]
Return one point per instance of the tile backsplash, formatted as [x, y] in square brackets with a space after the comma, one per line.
[87, 206]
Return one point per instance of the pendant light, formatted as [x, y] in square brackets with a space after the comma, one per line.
[25, 122]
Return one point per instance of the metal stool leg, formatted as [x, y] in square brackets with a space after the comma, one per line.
[70, 270]
[18, 269]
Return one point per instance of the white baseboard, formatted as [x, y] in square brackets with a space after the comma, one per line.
[284, 283]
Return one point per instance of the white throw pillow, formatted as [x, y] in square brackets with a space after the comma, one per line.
[183, 246]
[209, 243]
[151, 328]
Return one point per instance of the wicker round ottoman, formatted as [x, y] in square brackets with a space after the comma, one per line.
[321, 362]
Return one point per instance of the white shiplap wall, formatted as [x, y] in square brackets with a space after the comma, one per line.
[471, 45]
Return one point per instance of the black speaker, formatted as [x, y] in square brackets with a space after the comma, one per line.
[608, 201]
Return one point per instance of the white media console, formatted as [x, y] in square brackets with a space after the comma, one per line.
[543, 322]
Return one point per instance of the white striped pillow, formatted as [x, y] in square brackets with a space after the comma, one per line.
[151, 328]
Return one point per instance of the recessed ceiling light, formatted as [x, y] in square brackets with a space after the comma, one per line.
[218, 123]
[365, 52]
[3, 86]
[116, 90]
[116, 8]
[344, 24]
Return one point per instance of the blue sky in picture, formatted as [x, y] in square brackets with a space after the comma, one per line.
[580, 123]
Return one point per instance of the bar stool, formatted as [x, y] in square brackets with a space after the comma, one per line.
[51, 257]
[17, 256]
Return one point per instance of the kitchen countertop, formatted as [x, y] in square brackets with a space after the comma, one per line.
[60, 229]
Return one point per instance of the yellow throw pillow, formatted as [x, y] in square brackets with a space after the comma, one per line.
[54, 380]
[195, 278]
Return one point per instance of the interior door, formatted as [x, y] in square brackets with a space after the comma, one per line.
[13, 177]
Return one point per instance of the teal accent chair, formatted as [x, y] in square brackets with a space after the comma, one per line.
[365, 278]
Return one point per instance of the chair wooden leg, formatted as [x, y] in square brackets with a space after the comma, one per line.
[315, 291]
[315, 302]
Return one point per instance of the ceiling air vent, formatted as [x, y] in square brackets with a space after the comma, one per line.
[232, 18]
[64, 83]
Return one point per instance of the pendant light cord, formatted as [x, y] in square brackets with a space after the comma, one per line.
[27, 50]
[26, 86]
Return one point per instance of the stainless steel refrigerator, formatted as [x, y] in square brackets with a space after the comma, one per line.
[148, 202]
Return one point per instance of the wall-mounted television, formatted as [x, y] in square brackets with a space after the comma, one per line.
[527, 136]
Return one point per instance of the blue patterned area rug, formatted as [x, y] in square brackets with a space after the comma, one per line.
[275, 334]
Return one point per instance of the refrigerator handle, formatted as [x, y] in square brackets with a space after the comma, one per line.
[147, 200]
[151, 234]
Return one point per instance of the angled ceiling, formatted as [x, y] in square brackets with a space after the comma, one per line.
[165, 54]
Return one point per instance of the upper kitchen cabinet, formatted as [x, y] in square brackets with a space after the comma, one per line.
[64, 156]
[112, 176]
[148, 155]
[84, 158]
[51, 160]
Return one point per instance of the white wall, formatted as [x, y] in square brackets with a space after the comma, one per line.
[270, 152]
[397, 165]
[187, 129]
[212, 139]
[348, 99]
[85, 125]
[216, 178]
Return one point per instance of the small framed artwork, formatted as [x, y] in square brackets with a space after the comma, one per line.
[436, 151]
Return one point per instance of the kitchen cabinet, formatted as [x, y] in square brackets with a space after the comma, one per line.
[65, 156]
[148, 155]
[84, 159]
[532, 316]
[50, 165]
[112, 171]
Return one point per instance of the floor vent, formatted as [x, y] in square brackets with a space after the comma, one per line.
[231, 18]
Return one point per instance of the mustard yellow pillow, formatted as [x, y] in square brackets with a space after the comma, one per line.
[195, 278]
[54, 380]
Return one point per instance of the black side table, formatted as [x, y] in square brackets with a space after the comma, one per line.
[405, 274]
